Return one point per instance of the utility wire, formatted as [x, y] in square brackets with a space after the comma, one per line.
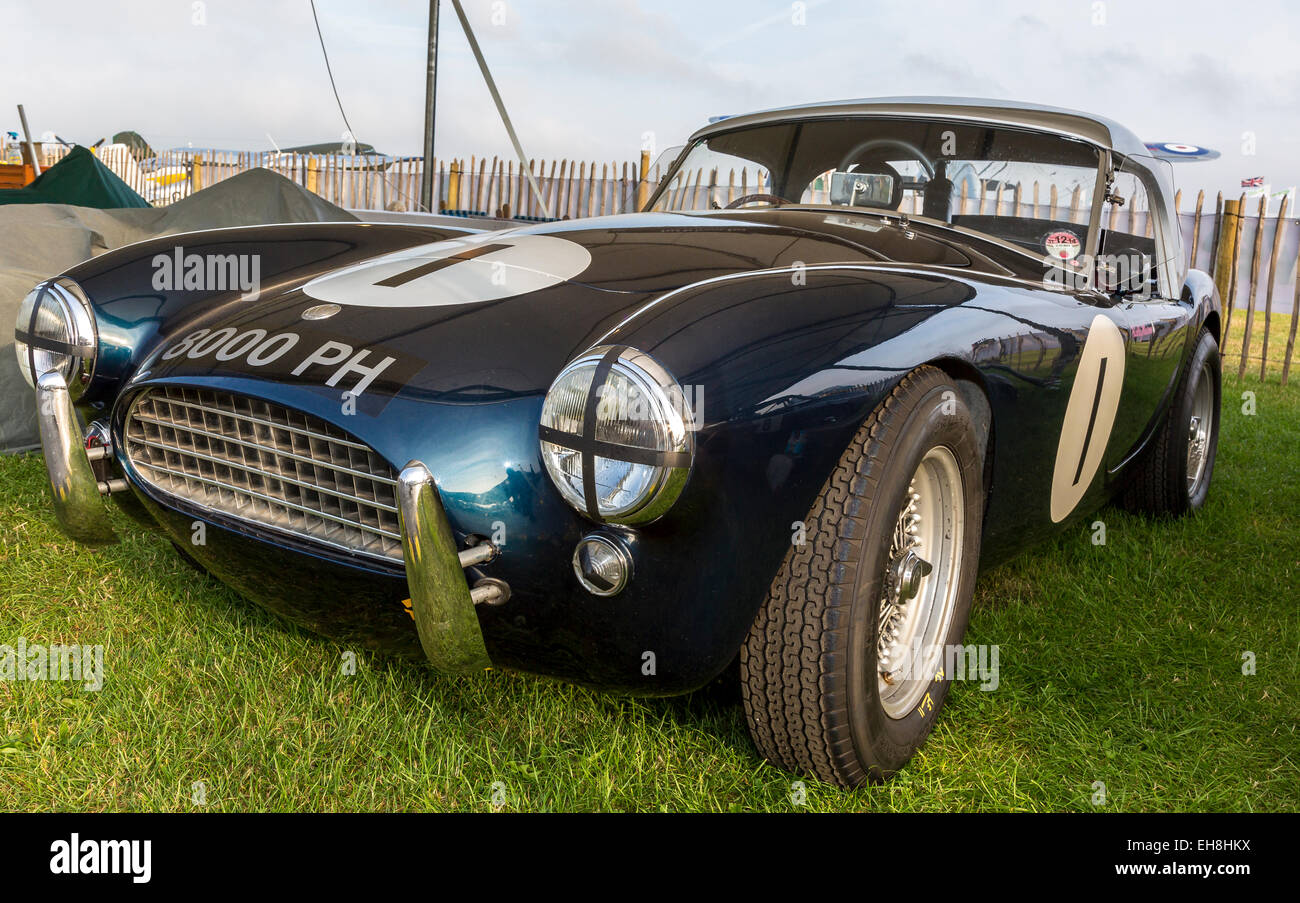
[501, 108]
[330, 72]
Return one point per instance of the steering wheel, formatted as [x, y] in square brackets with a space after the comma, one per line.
[913, 152]
[750, 198]
[1137, 279]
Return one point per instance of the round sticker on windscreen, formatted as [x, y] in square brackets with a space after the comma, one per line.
[1062, 245]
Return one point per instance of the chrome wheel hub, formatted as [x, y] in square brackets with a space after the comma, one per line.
[919, 586]
[909, 570]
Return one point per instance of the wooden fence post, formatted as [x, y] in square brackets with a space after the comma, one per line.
[1295, 319]
[1196, 228]
[313, 175]
[480, 191]
[1254, 285]
[1272, 274]
[642, 185]
[197, 176]
[559, 189]
[1226, 255]
[453, 185]
[1216, 235]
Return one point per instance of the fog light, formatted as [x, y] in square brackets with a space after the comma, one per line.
[602, 564]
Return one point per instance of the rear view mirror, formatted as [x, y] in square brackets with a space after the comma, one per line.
[862, 189]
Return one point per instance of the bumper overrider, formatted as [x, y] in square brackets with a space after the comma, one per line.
[75, 488]
[442, 602]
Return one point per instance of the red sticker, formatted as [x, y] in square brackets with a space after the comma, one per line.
[1062, 245]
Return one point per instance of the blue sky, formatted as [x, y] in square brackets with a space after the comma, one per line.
[597, 79]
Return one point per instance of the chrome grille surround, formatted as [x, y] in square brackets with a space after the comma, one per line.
[265, 464]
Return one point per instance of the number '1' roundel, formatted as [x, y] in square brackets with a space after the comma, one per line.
[1089, 416]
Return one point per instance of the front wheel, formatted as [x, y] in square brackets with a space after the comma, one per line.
[845, 669]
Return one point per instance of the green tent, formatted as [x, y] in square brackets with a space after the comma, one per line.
[79, 179]
[140, 148]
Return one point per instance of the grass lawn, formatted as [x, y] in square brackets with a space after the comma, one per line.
[1120, 663]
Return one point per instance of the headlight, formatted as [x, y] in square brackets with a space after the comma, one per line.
[55, 330]
[616, 436]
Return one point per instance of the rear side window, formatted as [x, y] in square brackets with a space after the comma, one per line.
[1128, 251]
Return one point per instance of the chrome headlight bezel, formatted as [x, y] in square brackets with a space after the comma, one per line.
[79, 345]
[567, 438]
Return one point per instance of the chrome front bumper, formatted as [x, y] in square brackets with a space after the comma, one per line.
[442, 601]
[76, 490]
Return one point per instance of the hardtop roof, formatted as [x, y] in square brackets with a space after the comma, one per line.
[1095, 129]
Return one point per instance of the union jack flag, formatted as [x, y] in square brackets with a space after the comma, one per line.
[1256, 182]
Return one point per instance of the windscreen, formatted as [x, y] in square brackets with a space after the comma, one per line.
[654, 175]
[1029, 188]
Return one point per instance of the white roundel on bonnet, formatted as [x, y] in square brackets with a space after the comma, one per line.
[468, 270]
[1089, 416]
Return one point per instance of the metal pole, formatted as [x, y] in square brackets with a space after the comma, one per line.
[501, 108]
[27, 134]
[430, 100]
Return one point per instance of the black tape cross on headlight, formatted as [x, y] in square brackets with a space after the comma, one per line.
[589, 446]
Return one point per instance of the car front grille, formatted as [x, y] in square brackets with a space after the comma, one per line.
[267, 465]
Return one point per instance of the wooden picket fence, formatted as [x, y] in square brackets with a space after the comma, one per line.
[1249, 258]
[1254, 257]
[475, 187]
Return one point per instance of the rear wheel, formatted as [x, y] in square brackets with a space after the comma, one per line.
[844, 670]
[1173, 475]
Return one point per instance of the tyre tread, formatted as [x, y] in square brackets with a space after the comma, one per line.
[793, 664]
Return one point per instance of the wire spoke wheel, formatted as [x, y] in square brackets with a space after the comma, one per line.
[919, 586]
[842, 673]
[1199, 429]
[1172, 477]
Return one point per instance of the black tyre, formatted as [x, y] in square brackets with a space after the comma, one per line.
[839, 673]
[1173, 476]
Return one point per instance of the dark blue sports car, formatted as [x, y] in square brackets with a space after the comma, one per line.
[849, 353]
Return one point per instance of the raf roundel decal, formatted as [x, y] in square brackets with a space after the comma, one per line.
[1176, 150]
[1089, 416]
[469, 270]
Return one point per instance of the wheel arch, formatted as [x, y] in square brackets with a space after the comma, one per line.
[1214, 326]
[975, 393]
